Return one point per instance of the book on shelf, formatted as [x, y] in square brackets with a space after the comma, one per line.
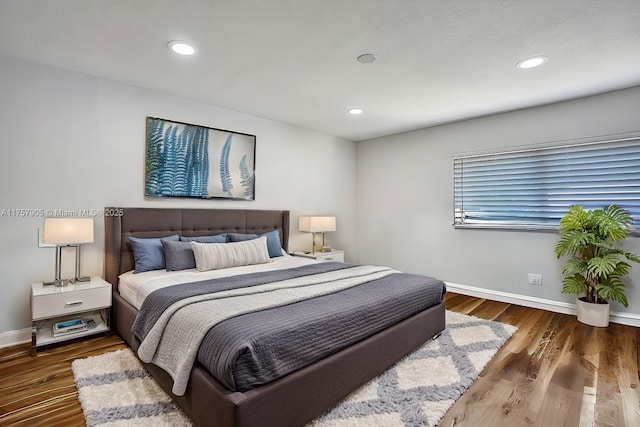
[68, 327]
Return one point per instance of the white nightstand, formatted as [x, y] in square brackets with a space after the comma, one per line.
[334, 255]
[90, 301]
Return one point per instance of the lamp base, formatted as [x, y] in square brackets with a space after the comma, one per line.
[318, 242]
[81, 279]
[57, 283]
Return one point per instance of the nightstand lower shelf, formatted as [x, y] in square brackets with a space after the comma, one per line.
[42, 331]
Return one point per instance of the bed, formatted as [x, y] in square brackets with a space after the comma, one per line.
[292, 400]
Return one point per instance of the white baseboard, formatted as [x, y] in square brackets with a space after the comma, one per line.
[9, 338]
[623, 318]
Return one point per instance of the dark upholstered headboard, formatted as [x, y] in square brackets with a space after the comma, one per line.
[121, 223]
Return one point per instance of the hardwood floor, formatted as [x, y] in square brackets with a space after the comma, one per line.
[554, 371]
[39, 391]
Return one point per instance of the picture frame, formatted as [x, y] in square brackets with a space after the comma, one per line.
[187, 160]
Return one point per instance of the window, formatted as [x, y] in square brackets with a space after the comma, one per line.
[533, 188]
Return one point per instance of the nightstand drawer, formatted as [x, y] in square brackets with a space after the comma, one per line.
[58, 304]
[331, 257]
[334, 255]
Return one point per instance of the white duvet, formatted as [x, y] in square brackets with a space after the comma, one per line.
[134, 288]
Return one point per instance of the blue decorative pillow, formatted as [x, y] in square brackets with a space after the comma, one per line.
[273, 241]
[218, 238]
[148, 253]
[178, 255]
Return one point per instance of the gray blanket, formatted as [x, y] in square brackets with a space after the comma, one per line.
[174, 340]
[244, 348]
[160, 300]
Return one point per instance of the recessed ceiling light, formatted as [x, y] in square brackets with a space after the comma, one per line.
[533, 62]
[182, 47]
[366, 58]
[355, 111]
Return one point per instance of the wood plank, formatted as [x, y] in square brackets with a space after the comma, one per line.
[489, 310]
[462, 304]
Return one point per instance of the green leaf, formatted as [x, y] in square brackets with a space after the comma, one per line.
[612, 222]
[631, 256]
[613, 291]
[575, 219]
[573, 242]
[573, 285]
[602, 266]
[575, 266]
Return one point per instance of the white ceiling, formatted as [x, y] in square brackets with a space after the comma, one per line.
[295, 60]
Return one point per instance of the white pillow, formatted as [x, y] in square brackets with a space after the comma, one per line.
[214, 256]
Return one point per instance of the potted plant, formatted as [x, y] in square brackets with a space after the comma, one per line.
[596, 263]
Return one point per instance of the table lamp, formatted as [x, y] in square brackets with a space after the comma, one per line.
[317, 225]
[67, 232]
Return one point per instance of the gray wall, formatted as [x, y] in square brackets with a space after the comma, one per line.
[405, 197]
[72, 141]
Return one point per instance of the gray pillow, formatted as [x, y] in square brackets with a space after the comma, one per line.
[240, 237]
[218, 238]
[178, 255]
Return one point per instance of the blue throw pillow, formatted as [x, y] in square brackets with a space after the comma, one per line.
[218, 238]
[148, 253]
[273, 241]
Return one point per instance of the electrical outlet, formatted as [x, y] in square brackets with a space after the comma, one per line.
[534, 279]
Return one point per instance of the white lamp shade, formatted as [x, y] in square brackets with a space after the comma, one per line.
[67, 231]
[316, 224]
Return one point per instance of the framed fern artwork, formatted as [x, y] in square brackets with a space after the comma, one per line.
[185, 160]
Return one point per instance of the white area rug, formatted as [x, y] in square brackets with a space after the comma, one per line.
[115, 391]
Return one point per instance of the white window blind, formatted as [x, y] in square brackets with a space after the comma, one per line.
[534, 188]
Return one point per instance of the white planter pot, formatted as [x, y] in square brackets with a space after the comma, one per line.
[593, 314]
